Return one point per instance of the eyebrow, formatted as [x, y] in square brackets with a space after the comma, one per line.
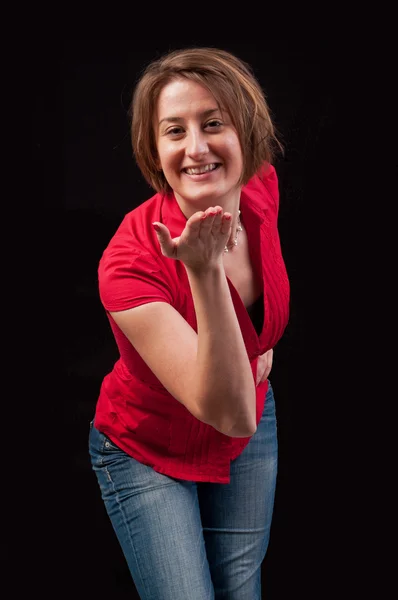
[205, 113]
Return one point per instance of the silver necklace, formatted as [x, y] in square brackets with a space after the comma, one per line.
[235, 241]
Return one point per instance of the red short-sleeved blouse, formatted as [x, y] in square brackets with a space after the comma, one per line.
[134, 409]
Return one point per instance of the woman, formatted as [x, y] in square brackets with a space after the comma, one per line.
[184, 439]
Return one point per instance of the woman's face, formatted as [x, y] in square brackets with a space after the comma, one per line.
[198, 147]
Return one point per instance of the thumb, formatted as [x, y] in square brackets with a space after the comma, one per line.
[164, 237]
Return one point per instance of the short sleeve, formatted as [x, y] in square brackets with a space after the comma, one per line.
[129, 278]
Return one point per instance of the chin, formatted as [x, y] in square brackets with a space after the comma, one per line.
[211, 193]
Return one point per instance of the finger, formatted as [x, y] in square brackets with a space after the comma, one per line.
[260, 368]
[226, 223]
[217, 219]
[167, 245]
[207, 225]
[267, 370]
[194, 222]
[207, 220]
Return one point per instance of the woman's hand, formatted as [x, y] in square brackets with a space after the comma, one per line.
[202, 242]
[264, 366]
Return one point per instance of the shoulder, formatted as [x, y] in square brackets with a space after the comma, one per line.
[268, 177]
[134, 236]
[132, 269]
[133, 251]
[263, 188]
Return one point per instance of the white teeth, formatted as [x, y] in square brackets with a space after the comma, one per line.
[199, 170]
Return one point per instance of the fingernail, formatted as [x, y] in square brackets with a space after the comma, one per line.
[156, 227]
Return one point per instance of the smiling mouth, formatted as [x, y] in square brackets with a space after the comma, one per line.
[201, 170]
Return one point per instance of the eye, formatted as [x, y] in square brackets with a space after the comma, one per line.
[214, 123]
[174, 131]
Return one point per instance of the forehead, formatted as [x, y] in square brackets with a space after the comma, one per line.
[182, 96]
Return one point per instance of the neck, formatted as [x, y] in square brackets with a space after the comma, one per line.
[229, 203]
[232, 205]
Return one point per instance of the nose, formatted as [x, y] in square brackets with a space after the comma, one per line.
[197, 145]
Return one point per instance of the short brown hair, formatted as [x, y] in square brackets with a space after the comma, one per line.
[235, 88]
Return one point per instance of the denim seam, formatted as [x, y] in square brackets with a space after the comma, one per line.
[125, 524]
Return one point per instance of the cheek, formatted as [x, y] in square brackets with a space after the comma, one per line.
[234, 150]
[169, 157]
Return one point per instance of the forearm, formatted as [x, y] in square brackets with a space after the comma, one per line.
[223, 381]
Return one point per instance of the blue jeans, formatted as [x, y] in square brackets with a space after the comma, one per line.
[192, 540]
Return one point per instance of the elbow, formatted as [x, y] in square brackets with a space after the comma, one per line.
[238, 423]
[241, 428]
[240, 432]
[234, 430]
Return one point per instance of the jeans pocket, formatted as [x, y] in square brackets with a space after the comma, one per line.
[108, 445]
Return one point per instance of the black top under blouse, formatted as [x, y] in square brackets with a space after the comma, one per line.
[256, 313]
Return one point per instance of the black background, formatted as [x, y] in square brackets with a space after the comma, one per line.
[100, 183]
